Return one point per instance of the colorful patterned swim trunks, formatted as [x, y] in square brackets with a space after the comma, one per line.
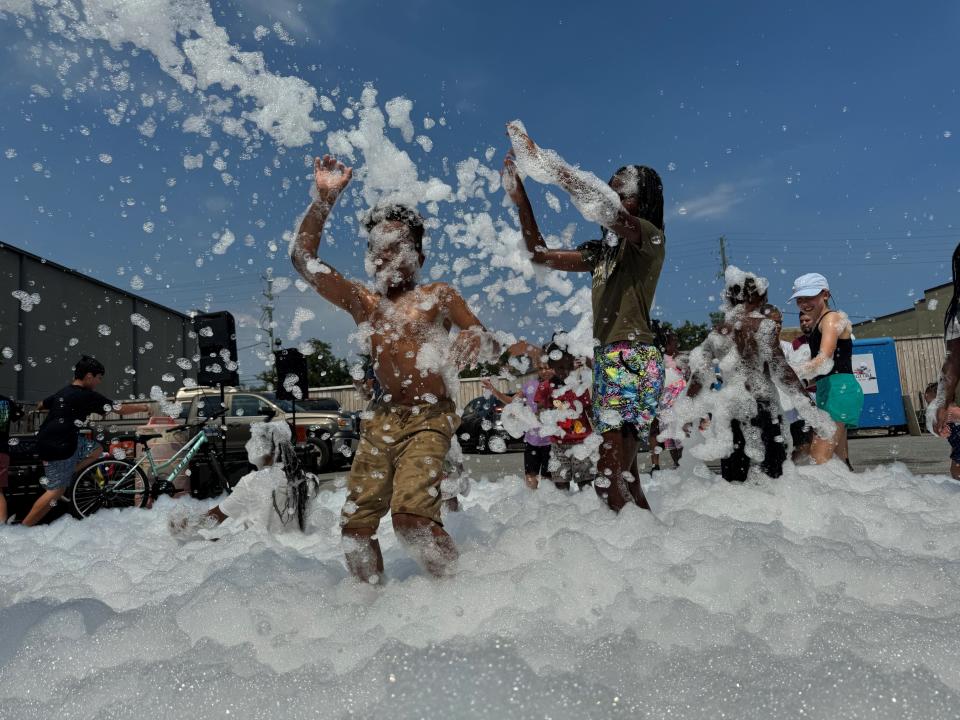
[627, 380]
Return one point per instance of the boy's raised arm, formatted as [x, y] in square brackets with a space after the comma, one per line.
[331, 178]
[569, 260]
[619, 221]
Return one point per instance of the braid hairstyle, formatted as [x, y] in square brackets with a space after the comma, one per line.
[649, 193]
[650, 205]
[301, 486]
[955, 300]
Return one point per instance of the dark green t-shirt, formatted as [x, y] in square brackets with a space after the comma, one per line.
[625, 276]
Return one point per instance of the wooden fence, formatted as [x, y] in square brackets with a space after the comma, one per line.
[919, 359]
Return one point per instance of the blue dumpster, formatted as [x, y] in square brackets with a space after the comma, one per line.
[875, 367]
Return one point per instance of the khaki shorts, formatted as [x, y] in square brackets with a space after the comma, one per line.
[398, 465]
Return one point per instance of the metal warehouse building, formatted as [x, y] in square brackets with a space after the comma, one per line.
[51, 315]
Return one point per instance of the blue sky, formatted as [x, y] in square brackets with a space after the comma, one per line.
[818, 137]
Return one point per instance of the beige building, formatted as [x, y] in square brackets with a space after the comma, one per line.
[924, 319]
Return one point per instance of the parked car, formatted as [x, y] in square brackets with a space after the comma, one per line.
[480, 424]
[325, 434]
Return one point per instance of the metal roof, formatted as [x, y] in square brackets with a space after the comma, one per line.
[78, 273]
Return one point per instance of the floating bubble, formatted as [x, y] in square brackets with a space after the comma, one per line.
[140, 321]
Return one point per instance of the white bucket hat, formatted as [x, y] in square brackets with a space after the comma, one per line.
[809, 285]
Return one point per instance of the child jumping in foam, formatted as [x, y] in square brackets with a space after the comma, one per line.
[745, 411]
[275, 497]
[398, 466]
[625, 264]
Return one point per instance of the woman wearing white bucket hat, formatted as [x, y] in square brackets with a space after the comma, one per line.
[831, 365]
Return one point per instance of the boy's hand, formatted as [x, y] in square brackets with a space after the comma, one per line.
[518, 136]
[487, 384]
[331, 176]
[466, 348]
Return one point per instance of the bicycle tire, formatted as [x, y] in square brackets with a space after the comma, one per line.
[92, 489]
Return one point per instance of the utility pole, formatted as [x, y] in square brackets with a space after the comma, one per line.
[723, 256]
[266, 319]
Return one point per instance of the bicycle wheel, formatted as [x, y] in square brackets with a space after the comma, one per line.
[109, 484]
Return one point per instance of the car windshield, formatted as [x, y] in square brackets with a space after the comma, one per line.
[310, 405]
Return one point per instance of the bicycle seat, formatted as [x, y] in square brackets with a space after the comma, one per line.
[143, 438]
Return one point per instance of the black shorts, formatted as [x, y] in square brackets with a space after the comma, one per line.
[536, 460]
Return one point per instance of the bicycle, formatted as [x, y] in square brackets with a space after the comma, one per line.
[119, 483]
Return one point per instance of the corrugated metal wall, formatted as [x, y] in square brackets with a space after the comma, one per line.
[44, 342]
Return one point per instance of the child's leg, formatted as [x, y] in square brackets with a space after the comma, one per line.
[618, 453]
[362, 552]
[415, 504]
[654, 444]
[774, 450]
[43, 505]
[531, 465]
[736, 466]
[562, 467]
[59, 474]
[428, 542]
[822, 450]
[369, 488]
[843, 448]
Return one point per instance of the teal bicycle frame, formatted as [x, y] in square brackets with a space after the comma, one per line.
[180, 460]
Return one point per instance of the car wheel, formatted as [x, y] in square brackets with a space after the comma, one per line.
[321, 456]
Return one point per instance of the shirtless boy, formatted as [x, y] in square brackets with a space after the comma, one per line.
[398, 466]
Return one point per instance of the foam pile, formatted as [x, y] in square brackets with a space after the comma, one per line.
[821, 595]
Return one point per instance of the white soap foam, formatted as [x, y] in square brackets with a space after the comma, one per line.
[823, 594]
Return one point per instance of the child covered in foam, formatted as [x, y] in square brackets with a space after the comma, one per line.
[274, 498]
[405, 437]
[745, 412]
[565, 419]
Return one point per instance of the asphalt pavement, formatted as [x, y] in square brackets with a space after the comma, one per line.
[923, 455]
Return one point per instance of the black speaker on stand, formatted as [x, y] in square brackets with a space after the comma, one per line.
[292, 385]
[217, 347]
